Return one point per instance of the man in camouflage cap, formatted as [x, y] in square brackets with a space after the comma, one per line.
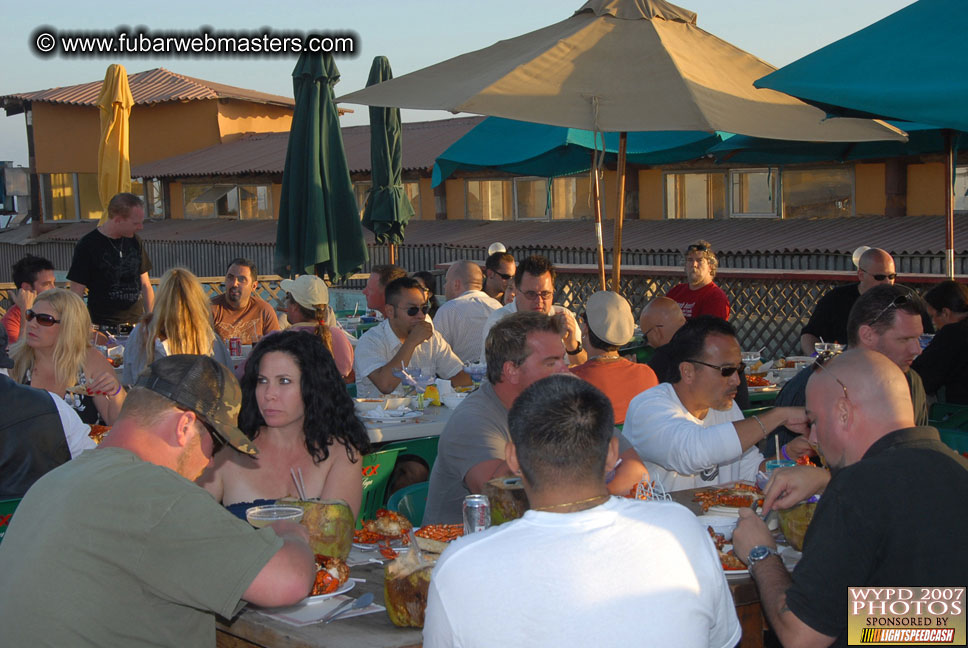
[120, 547]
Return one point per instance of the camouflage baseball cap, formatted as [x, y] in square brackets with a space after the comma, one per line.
[206, 387]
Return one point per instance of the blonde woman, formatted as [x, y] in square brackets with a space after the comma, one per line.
[181, 322]
[56, 354]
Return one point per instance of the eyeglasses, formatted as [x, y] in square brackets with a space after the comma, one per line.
[657, 326]
[506, 277]
[897, 302]
[217, 443]
[532, 295]
[42, 318]
[413, 310]
[696, 247]
[724, 370]
[881, 277]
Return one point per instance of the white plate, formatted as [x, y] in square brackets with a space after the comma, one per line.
[720, 523]
[396, 543]
[342, 589]
[385, 416]
[734, 573]
[766, 388]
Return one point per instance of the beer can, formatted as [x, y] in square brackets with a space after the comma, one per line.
[235, 347]
[477, 513]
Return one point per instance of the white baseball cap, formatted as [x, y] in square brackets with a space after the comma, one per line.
[309, 291]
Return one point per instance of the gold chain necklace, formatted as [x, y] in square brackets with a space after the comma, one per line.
[599, 498]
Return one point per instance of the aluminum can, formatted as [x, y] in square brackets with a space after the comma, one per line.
[235, 347]
[477, 513]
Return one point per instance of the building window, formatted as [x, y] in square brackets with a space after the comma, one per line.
[961, 189]
[488, 200]
[153, 195]
[361, 189]
[695, 195]
[818, 193]
[61, 197]
[531, 199]
[753, 193]
[571, 198]
[244, 202]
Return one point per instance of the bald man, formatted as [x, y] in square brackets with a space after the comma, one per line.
[461, 319]
[829, 319]
[660, 320]
[888, 515]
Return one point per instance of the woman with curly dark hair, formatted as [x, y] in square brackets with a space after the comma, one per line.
[296, 409]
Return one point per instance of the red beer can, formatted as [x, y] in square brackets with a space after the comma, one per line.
[235, 347]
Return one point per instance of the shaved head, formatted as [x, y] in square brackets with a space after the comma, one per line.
[462, 276]
[854, 400]
[874, 263]
[660, 320]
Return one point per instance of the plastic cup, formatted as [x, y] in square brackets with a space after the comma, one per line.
[260, 516]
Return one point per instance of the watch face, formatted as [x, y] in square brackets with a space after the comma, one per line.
[759, 553]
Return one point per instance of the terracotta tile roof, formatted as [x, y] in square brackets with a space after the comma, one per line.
[423, 142]
[899, 235]
[149, 87]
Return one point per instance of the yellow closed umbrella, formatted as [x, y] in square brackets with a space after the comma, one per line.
[113, 164]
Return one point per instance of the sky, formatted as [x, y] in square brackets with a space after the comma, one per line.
[411, 33]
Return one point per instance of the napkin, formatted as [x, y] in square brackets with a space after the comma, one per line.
[309, 613]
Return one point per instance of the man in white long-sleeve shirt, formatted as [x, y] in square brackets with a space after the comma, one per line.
[461, 319]
[690, 432]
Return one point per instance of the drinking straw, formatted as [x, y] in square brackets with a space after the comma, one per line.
[777, 439]
[298, 482]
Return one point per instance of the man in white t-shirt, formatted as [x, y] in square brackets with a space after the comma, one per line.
[690, 432]
[405, 339]
[581, 568]
[534, 282]
[461, 319]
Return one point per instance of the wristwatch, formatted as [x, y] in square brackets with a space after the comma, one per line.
[576, 351]
[758, 553]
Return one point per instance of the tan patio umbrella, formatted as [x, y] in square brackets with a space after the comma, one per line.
[618, 66]
[113, 164]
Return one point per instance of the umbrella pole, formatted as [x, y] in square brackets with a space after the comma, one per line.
[619, 214]
[949, 208]
[392, 253]
[597, 200]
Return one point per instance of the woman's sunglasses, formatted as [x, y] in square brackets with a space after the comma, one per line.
[42, 318]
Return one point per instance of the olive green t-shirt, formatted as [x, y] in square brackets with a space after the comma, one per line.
[110, 550]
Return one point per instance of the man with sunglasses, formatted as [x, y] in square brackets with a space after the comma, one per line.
[690, 432]
[829, 318]
[121, 547]
[886, 319]
[699, 295]
[404, 339]
[499, 270]
[534, 283]
[889, 514]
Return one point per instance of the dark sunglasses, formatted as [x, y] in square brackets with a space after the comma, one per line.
[724, 370]
[42, 318]
[882, 277]
[506, 277]
[413, 310]
[697, 248]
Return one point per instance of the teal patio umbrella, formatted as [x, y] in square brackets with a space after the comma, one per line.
[909, 65]
[387, 210]
[319, 229]
[549, 151]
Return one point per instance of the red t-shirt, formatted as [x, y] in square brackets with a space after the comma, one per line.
[11, 322]
[621, 380]
[708, 300]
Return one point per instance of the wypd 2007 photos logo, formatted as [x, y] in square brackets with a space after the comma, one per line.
[906, 615]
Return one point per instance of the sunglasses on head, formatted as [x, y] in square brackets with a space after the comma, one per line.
[42, 318]
[897, 302]
[881, 277]
[413, 310]
[724, 370]
[697, 248]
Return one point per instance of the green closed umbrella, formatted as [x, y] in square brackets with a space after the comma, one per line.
[319, 229]
[387, 210]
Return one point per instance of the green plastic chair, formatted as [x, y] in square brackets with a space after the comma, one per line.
[424, 447]
[949, 416]
[7, 507]
[410, 501]
[756, 410]
[377, 467]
